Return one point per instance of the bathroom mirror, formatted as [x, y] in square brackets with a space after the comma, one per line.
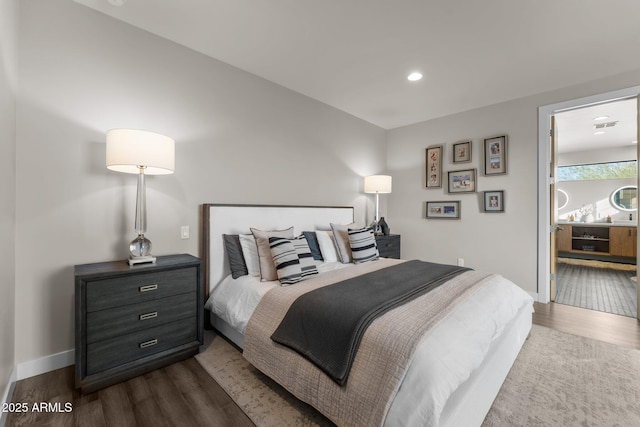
[625, 198]
[562, 199]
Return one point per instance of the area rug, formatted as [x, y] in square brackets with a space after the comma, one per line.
[558, 379]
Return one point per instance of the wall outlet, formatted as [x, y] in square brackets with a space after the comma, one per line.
[184, 232]
[460, 262]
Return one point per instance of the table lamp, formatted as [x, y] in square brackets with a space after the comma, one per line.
[377, 184]
[142, 153]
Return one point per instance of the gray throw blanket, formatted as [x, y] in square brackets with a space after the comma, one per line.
[326, 325]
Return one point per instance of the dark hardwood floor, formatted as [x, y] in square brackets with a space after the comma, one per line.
[183, 394]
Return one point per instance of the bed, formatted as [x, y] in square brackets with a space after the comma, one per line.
[451, 375]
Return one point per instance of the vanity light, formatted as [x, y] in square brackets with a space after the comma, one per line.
[414, 77]
[634, 142]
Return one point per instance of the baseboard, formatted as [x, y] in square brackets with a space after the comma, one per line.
[8, 394]
[45, 364]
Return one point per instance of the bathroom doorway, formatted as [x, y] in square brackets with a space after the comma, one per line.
[596, 207]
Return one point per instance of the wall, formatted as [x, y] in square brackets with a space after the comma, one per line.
[501, 242]
[239, 139]
[595, 192]
[8, 68]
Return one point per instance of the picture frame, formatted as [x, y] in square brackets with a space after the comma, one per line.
[449, 209]
[461, 152]
[462, 181]
[495, 155]
[433, 166]
[493, 201]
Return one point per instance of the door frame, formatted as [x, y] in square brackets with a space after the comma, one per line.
[544, 163]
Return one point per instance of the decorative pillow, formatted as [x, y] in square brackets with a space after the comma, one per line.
[341, 236]
[234, 255]
[292, 259]
[363, 245]
[267, 267]
[327, 246]
[312, 240]
[250, 254]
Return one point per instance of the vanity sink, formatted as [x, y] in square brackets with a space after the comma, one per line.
[624, 222]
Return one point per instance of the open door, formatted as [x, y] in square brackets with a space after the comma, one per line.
[553, 217]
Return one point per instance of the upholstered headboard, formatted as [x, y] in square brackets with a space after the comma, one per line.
[220, 219]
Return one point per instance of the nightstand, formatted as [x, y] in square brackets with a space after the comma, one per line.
[389, 245]
[132, 320]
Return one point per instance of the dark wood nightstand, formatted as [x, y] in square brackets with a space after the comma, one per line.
[389, 245]
[132, 320]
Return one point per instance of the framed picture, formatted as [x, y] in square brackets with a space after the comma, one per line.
[433, 167]
[493, 201]
[443, 210]
[495, 155]
[462, 181]
[462, 152]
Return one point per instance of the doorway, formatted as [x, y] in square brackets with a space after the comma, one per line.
[596, 212]
[546, 233]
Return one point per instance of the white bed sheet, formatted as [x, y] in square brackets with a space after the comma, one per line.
[442, 362]
[234, 300]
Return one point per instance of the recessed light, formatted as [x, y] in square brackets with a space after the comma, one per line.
[414, 77]
[600, 132]
[595, 119]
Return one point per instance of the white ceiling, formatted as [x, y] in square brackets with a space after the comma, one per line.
[355, 54]
[577, 128]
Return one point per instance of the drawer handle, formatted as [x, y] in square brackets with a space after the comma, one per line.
[148, 315]
[148, 288]
[148, 343]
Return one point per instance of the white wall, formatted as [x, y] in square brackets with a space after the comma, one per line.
[239, 139]
[506, 242]
[595, 192]
[8, 68]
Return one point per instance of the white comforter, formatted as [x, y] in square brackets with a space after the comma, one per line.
[444, 359]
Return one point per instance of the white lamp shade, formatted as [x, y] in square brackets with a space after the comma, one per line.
[377, 184]
[128, 149]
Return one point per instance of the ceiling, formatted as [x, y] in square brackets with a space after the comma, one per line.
[355, 55]
[598, 127]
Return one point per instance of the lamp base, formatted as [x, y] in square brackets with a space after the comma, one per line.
[133, 260]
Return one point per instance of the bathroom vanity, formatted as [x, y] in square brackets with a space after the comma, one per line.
[604, 239]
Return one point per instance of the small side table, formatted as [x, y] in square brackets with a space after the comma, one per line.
[389, 245]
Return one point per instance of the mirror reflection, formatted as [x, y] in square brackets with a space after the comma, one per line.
[625, 198]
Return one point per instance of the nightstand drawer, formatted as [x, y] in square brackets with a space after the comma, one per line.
[112, 322]
[388, 246]
[117, 351]
[135, 288]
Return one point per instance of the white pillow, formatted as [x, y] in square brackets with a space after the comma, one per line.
[250, 253]
[327, 245]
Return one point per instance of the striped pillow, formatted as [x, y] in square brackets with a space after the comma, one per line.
[292, 259]
[363, 245]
